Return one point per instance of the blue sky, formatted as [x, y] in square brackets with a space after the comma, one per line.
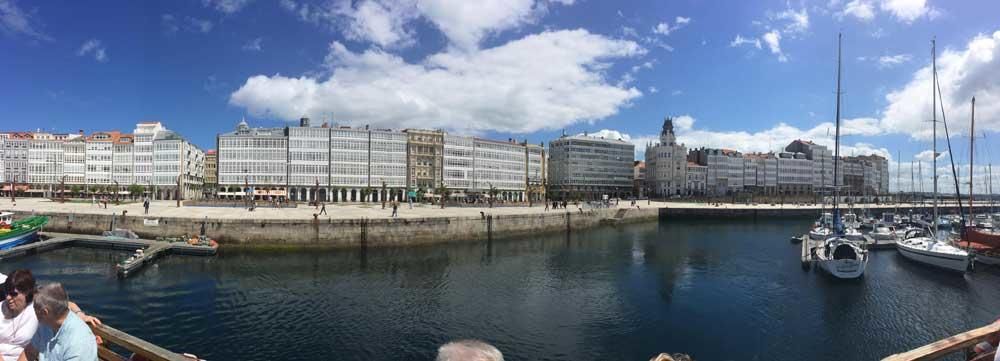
[749, 75]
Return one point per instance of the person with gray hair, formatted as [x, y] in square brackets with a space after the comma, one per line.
[468, 350]
[61, 334]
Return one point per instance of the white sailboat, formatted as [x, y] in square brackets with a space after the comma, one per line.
[929, 249]
[839, 256]
[823, 228]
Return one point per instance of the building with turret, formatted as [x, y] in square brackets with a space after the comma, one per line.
[666, 164]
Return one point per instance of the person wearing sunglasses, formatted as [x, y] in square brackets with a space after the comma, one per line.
[18, 322]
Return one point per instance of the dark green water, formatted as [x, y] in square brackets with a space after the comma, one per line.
[718, 290]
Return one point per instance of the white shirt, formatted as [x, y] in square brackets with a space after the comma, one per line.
[15, 333]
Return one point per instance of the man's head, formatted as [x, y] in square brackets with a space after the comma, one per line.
[468, 350]
[51, 304]
[19, 290]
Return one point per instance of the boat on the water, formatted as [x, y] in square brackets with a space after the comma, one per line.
[934, 252]
[839, 256]
[842, 258]
[929, 249]
[15, 233]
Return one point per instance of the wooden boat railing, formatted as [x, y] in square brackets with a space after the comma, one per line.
[138, 346]
[956, 343]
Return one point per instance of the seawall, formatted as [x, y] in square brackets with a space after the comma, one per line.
[351, 233]
[739, 211]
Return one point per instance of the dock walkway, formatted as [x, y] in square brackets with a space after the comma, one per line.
[152, 250]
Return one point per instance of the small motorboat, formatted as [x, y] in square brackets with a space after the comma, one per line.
[820, 233]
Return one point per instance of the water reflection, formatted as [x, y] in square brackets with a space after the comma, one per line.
[611, 293]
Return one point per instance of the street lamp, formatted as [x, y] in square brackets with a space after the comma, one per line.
[383, 195]
[246, 186]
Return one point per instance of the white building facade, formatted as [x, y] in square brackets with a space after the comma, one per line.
[666, 164]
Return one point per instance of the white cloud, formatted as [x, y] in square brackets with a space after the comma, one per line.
[798, 21]
[683, 123]
[382, 24]
[199, 25]
[906, 10]
[466, 23]
[676, 92]
[740, 41]
[773, 41]
[389, 23]
[926, 156]
[171, 26]
[963, 73]
[253, 45]
[94, 47]
[664, 28]
[889, 61]
[653, 90]
[862, 10]
[630, 32]
[226, 6]
[14, 21]
[543, 81]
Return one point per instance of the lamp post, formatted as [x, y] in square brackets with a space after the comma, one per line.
[383, 195]
[116, 191]
[246, 186]
[177, 191]
[62, 189]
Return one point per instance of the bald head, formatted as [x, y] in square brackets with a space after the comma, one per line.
[468, 350]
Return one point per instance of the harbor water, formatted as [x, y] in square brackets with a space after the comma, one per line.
[723, 289]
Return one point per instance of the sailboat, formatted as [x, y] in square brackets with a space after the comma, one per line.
[983, 241]
[929, 249]
[839, 256]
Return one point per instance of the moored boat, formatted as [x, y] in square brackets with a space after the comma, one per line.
[842, 258]
[15, 233]
[934, 252]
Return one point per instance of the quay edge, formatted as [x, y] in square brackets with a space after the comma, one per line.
[350, 233]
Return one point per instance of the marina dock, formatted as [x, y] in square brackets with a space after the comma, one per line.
[151, 250]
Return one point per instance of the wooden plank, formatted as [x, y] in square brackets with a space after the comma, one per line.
[946, 346]
[105, 354]
[135, 344]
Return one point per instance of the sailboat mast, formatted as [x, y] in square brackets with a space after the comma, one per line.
[934, 121]
[913, 185]
[972, 152]
[899, 173]
[836, 147]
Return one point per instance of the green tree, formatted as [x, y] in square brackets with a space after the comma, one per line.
[135, 190]
[76, 190]
[444, 192]
[365, 193]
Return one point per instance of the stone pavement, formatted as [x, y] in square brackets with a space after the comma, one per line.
[336, 210]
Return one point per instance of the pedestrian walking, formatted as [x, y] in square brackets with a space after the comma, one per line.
[395, 209]
[145, 206]
[546, 206]
[410, 201]
[322, 210]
